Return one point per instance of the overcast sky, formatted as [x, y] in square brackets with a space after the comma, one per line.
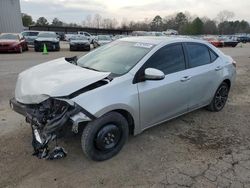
[77, 10]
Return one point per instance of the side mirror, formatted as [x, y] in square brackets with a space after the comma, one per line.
[153, 74]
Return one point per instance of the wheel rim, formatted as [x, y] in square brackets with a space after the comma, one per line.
[221, 97]
[107, 137]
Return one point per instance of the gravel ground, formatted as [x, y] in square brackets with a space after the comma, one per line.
[200, 149]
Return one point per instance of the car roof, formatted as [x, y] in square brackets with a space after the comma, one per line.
[161, 39]
[26, 31]
[47, 32]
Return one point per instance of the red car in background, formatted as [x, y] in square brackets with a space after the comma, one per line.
[12, 42]
[214, 41]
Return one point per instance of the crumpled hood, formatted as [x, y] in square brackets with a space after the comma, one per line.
[55, 78]
[43, 39]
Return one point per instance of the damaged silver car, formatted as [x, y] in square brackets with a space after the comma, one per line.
[123, 87]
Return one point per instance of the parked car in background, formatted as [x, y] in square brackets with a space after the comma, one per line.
[124, 87]
[170, 32]
[68, 36]
[79, 42]
[88, 35]
[50, 39]
[103, 39]
[214, 41]
[228, 41]
[243, 39]
[13, 42]
[154, 33]
[30, 36]
[119, 37]
[61, 35]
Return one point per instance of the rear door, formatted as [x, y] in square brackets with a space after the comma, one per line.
[205, 71]
[163, 99]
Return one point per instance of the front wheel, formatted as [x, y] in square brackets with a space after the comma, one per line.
[220, 98]
[20, 49]
[104, 137]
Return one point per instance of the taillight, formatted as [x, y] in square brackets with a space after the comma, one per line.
[234, 63]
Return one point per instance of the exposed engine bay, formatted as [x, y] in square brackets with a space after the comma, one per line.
[45, 95]
[47, 119]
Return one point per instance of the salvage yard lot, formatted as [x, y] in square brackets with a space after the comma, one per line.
[200, 149]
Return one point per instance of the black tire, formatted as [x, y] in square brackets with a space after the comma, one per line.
[20, 50]
[88, 49]
[36, 49]
[220, 98]
[104, 137]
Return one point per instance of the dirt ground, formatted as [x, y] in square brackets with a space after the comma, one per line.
[200, 149]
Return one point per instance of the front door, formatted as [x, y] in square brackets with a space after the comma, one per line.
[167, 98]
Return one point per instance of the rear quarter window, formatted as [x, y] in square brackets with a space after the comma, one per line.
[213, 56]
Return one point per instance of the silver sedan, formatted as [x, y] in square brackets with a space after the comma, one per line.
[124, 87]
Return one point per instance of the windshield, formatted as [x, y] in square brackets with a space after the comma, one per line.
[117, 57]
[104, 37]
[30, 33]
[47, 35]
[9, 36]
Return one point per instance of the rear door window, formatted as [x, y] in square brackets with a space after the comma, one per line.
[198, 55]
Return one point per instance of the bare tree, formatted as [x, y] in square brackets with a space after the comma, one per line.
[225, 15]
[83, 23]
[89, 21]
[97, 20]
[106, 23]
[114, 23]
[124, 23]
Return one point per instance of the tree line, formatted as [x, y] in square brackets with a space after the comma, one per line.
[184, 23]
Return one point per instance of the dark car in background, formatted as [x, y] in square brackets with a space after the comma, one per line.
[30, 36]
[12, 42]
[49, 39]
[228, 41]
[79, 42]
[243, 39]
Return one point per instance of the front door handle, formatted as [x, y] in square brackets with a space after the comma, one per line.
[218, 68]
[186, 78]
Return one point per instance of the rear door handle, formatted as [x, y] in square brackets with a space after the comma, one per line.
[218, 68]
[186, 78]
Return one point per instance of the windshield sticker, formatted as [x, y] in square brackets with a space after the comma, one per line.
[143, 45]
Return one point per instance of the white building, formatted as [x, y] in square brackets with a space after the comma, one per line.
[10, 16]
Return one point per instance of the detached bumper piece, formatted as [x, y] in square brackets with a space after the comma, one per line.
[41, 149]
[47, 120]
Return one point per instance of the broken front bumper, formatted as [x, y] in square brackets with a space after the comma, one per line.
[18, 107]
[47, 119]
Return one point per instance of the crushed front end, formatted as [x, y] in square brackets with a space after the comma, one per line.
[47, 120]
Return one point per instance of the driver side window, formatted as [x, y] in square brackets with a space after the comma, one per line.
[169, 59]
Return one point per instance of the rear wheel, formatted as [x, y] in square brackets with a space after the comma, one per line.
[220, 98]
[104, 137]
